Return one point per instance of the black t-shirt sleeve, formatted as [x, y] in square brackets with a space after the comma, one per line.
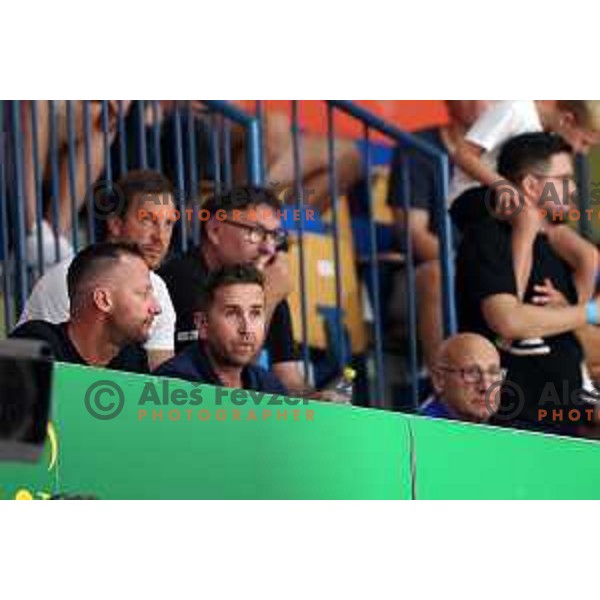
[471, 208]
[46, 332]
[280, 337]
[488, 261]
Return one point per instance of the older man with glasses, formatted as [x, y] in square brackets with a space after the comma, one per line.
[467, 378]
[242, 226]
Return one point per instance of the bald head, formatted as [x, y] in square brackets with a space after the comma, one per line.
[454, 350]
[466, 376]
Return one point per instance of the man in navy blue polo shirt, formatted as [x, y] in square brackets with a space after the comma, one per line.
[467, 379]
[231, 322]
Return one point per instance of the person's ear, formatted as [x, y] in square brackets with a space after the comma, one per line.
[114, 226]
[201, 322]
[212, 231]
[568, 120]
[530, 186]
[437, 379]
[103, 299]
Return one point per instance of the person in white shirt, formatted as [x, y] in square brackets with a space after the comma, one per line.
[143, 215]
[578, 121]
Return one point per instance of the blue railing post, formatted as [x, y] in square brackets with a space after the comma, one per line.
[411, 284]
[254, 153]
[193, 190]
[374, 273]
[180, 203]
[335, 211]
[441, 159]
[252, 136]
[141, 131]
[446, 248]
[87, 154]
[55, 173]
[299, 194]
[71, 162]
[19, 208]
[38, 176]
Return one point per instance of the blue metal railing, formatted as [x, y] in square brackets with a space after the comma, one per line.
[253, 139]
[370, 122]
[103, 141]
[56, 151]
[411, 143]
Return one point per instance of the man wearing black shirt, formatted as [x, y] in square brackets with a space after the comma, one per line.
[486, 289]
[112, 308]
[231, 321]
[244, 227]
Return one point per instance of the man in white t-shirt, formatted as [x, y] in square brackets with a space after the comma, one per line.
[142, 215]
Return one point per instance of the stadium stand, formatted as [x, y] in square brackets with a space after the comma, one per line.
[59, 161]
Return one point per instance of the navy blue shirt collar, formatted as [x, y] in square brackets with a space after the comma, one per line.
[435, 408]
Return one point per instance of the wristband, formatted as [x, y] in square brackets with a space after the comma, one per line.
[591, 312]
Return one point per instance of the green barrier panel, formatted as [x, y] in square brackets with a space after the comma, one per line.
[319, 451]
[463, 461]
[340, 453]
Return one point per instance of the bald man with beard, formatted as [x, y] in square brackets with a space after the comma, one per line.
[466, 378]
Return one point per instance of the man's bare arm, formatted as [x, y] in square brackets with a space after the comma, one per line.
[514, 320]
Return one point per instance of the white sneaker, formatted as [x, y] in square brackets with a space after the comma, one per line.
[48, 246]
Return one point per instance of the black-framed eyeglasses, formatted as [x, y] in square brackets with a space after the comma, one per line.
[256, 234]
[474, 374]
[568, 177]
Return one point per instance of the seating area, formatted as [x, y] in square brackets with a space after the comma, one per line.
[360, 291]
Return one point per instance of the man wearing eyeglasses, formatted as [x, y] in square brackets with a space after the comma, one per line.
[240, 227]
[467, 376]
[550, 308]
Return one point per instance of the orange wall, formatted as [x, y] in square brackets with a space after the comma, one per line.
[407, 114]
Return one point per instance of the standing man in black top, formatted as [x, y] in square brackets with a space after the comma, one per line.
[240, 227]
[486, 292]
[112, 308]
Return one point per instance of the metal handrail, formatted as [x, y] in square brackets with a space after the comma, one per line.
[439, 157]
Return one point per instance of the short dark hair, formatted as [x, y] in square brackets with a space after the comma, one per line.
[235, 274]
[96, 259]
[241, 198]
[527, 152]
[151, 183]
